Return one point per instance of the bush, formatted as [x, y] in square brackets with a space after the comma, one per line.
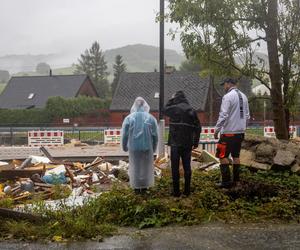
[56, 107]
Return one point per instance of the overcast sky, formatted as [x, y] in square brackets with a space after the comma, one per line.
[70, 26]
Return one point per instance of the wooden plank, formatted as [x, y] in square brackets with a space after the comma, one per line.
[11, 214]
[11, 174]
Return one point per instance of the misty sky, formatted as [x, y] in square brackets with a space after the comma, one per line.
[70, 26]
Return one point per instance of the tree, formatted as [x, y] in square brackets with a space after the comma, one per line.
[119, 68]
[190, 65]
[43, 68]
[93, 63]
[225, 36]
[4, 76]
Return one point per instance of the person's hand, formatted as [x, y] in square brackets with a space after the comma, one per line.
[194, 147]
[216, 135]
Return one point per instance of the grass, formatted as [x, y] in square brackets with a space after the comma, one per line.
[261, 197]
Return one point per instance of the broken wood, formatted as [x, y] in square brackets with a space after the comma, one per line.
[25, 163]
[16, 215]
[12, 174]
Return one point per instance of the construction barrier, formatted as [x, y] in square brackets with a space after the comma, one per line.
[45, 138]
[270, 132]
[207, 134]
[112, 136]
[207, 139]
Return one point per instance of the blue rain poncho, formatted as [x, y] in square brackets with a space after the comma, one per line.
[139, 137]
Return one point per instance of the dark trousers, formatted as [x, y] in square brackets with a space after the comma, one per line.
[185, 155]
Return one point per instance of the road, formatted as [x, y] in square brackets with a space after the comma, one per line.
[211, 236]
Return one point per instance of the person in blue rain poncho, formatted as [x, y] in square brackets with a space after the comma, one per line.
[139, 137]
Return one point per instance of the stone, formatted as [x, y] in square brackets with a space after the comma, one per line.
[247, 157]
[284, 158]
[296, 168]
[265, 153]
[261, 166]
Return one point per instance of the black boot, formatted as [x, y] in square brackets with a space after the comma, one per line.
[236, 173]
[176, 189]
[225, 175]
[187, 185]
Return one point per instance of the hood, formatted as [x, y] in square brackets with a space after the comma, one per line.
[179, 97]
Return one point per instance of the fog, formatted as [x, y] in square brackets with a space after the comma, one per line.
[68, 27]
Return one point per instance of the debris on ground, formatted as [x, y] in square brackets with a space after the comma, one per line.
[40, 176]
[264, 153]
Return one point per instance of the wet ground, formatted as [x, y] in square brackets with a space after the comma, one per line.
[212, 236]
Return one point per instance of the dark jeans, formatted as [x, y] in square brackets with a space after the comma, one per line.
[185, 155]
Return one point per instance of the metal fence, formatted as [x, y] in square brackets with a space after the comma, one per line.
[10, 136]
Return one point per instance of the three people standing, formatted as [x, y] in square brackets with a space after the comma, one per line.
[140, 138]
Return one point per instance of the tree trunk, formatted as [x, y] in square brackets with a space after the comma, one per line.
[275, 74]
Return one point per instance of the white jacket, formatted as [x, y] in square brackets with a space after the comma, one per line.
[234, 113]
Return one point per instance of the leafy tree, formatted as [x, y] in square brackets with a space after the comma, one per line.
[224, 36]
[93, 63]
[43, 68]
[190, 65]
[119, 68]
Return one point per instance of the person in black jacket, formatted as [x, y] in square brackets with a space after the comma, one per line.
[184, 136]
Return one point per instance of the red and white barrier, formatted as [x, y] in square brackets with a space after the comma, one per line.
[207, 134]
[45, 138]
[112, 136]
[270, 132]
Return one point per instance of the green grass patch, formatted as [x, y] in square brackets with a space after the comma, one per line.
[261, 197]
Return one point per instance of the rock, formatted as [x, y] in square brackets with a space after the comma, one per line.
[296, 168]
[247, 157]
[284, 158]
[265, 153]
[261, 166]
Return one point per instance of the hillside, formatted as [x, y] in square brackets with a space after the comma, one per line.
[139, 58]
[142, 58]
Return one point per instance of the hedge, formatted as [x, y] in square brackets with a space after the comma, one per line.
[56, 107]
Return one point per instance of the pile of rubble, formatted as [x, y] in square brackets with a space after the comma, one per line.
[38, 176]
[269, 153]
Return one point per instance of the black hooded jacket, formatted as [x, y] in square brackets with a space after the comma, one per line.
[185, 126]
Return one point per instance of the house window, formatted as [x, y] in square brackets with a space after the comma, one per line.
[31, 95]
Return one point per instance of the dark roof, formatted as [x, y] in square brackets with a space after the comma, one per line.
[18, 89]
[132, 85]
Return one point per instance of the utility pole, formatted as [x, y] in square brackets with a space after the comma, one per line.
[161, 139]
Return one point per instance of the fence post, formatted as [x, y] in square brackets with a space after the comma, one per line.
[11, 136]
[79, 134]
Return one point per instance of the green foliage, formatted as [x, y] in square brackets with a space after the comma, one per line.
[219, 35]
[262, 196]
[190, 65]
[72, 107]
[56, 107]
[23, 117]
[43, 68]
[93, 63]
[119, 67]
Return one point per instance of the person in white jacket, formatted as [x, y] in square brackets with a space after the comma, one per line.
[231, 126]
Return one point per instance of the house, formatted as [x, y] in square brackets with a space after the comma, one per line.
[33, 91]
[261, 90]
[199, 93]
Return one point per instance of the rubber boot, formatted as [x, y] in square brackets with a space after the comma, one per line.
[176, 189]
[236, 173]
[187, 185]
[225, 175]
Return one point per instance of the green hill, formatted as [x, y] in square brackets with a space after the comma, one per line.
[138, 58]
[142, 58]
